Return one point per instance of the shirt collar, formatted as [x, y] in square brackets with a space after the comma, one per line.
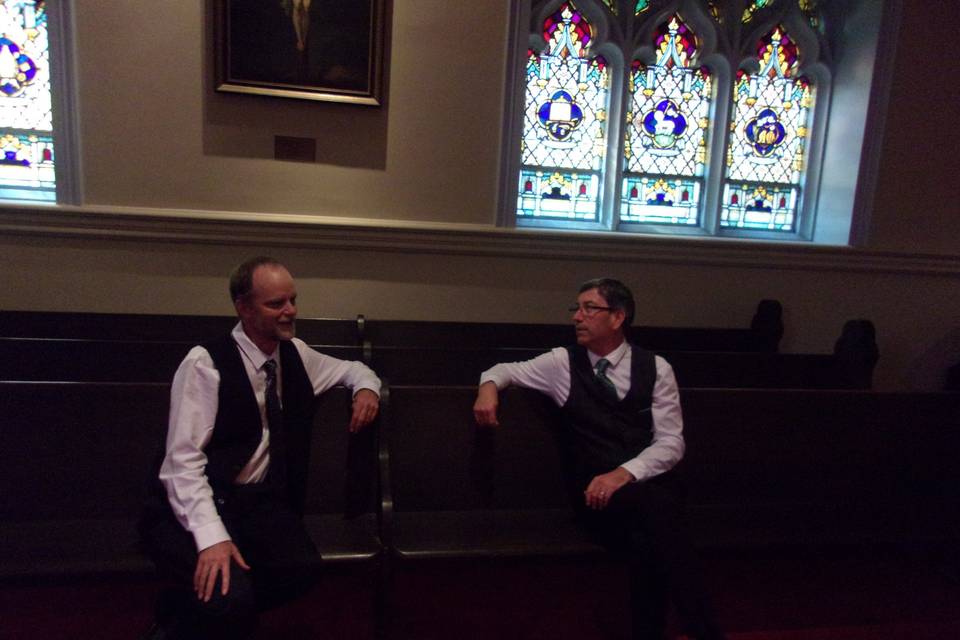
[251, 351]
[614, 357]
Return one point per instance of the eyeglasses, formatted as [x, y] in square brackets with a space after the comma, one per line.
[588, 310]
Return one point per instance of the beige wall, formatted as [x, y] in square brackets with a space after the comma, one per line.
[155, 136]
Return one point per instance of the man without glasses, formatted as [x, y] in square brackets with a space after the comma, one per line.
[226, 527]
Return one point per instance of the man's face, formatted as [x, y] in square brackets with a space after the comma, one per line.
[269, 311]
[597, 326]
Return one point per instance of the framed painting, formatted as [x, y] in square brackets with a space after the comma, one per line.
[308, 49]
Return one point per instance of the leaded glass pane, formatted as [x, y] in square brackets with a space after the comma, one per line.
[562, 195]
[642, 5]
[26, 122]
[769, 131]
[666, 136]
[753, 7]
[759, 207]
[809, 8]
[564, 130]
[715, 12]
[653, 199]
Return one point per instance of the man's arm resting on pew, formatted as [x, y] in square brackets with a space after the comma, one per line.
[485, 407]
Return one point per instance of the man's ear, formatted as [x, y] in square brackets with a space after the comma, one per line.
[242, 306]
[617, 318]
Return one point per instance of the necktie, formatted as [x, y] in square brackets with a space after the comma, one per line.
[602, 365]
[274, 424]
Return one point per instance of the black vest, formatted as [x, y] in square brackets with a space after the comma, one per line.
[238, 429]
[598, 434]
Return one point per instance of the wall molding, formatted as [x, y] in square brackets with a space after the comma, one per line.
[308, 231]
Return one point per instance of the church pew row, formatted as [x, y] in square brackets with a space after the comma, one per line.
[763, 334]
[473, 510]
[40, 346]
[78, 457]
[81, 360]
[701, 369]
[764, 467]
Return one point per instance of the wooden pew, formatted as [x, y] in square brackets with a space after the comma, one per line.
[763, 467]
[95, 347]
[455, 353]
[471, 512]
[76, 462]
[91, 347]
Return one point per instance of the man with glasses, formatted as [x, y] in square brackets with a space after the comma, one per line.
[622, 435]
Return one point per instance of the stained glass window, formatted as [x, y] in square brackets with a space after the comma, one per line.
[26, 121]
[621, 128]
[767, 144]
[564, 130]
[665, 148]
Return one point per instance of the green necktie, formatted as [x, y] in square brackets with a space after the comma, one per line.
[602, 365]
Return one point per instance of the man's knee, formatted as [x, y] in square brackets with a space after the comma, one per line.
[229, 615]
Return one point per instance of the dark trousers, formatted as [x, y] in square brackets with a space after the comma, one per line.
[645, 522]
[271, 538]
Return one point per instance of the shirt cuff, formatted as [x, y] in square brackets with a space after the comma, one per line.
[636, 469]
[210, 534]
[489, 377]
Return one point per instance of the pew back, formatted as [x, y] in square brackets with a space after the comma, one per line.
[78, 459]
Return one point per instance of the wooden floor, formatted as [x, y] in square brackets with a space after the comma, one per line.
[770, 595]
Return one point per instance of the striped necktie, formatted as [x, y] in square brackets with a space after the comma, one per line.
[276, 472]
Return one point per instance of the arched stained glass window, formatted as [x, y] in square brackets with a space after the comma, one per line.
[564, 129]
[667, 121]
[26, 121]
[766, 149]
[643, 116]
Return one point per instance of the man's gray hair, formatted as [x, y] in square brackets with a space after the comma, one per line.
[617, 295]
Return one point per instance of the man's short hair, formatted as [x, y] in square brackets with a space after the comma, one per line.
[241, 280]
[617, 295]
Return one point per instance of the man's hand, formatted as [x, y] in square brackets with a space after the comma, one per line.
[602, 487]
[485, 408]
[214, 561]
[366, 404]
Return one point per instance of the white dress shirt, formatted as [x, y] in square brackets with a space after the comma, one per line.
[549, 373]
[193, 412]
